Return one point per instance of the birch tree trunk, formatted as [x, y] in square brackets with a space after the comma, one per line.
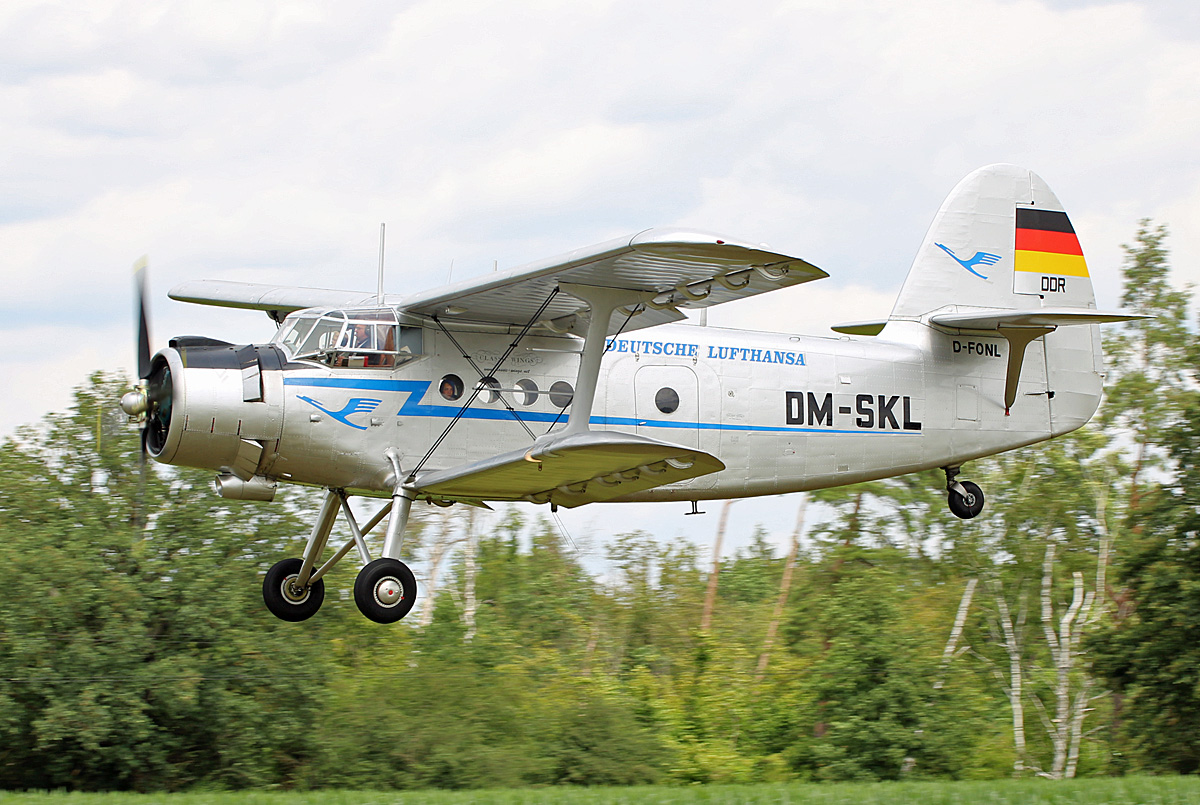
[784, 586]
[710, 595]
[1065, 729]
[960, 619]
[1091, 614]
[469, 555]
[440, 544]
[1015, 690]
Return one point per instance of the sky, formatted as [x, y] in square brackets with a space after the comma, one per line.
[266, 142]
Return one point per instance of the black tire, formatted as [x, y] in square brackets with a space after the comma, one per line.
[284, 607]
[966, 508]
[368, 582]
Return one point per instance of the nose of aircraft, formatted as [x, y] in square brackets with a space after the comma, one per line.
[207, 406]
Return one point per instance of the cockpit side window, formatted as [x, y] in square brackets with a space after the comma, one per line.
[323, 338]
[292, 334]
[371, 338]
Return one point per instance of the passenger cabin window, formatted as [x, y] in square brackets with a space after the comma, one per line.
[371, 338]
[489, 389]
[561, 394]
[528, 391]
[667, 400]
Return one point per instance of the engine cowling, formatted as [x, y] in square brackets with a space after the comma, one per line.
[217, 406]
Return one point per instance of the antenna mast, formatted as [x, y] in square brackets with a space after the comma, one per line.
[379, 293]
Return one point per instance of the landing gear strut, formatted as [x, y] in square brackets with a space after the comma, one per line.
[964, 498]
[385, 589]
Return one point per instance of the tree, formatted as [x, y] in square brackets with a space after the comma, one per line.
[1152, 656]
[136, 647]
[1151, 361]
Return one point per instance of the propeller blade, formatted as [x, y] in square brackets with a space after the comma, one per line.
[143, 320]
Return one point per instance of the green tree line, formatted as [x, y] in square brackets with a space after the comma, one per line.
[1057, 635]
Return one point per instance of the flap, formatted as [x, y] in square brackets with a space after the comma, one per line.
[571, 470]
[995, 318]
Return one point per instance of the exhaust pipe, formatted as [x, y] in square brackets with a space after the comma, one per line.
[234, 488]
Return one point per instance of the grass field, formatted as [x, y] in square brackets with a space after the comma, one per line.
[1116, 791]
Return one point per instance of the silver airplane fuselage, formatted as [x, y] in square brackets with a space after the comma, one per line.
[785, 413]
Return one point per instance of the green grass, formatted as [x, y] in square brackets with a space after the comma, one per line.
[1112, 791]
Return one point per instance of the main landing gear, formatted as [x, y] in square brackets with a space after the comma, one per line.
[964, 498]
[385, 589]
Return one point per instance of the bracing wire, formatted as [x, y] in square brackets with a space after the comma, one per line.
[478, 388]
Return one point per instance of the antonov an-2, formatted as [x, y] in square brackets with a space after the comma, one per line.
[570, 381]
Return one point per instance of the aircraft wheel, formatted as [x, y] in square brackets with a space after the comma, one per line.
[385, 590]
[284, 601]
[967, 507]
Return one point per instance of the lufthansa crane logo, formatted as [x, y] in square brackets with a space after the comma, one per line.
[979, 259]
[356, 405]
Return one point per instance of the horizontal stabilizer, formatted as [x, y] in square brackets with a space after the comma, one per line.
[1051, 317]
[1021, 327]
[571, 470]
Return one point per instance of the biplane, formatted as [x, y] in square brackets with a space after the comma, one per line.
[576, 380]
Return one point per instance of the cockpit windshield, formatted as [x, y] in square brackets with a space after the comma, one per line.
[367, 338]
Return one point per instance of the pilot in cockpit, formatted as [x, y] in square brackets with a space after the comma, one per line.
[358, 336]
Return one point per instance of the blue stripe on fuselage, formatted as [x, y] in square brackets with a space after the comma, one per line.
[416, 391]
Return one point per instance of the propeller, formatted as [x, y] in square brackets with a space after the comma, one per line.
[150, 401]
[143, 320]
[137, 403]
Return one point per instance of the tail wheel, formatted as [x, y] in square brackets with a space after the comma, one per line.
[287, 601]
[385, 590]
[966, 507]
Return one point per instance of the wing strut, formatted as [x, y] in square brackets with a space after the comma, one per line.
[602, 302]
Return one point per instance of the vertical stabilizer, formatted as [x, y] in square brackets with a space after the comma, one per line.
[1000, 240]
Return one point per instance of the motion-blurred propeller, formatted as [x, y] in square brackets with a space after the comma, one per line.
[143, 320]
[138, 403]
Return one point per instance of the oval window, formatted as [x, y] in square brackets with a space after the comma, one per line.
[491, 389]
[561, 394]
[667, 400]
[529, 391]
[451, 387]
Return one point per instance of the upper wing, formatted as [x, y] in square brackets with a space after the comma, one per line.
[681, 270]
[273, 299]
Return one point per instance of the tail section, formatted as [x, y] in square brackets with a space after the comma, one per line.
[1001, 259]
[1000, 240]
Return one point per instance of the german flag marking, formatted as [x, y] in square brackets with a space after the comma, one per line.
[1063, 265]
[1046, 220]
[1046, 243]
[1038, 240]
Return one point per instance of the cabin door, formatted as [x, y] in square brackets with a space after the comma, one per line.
[667, 404]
